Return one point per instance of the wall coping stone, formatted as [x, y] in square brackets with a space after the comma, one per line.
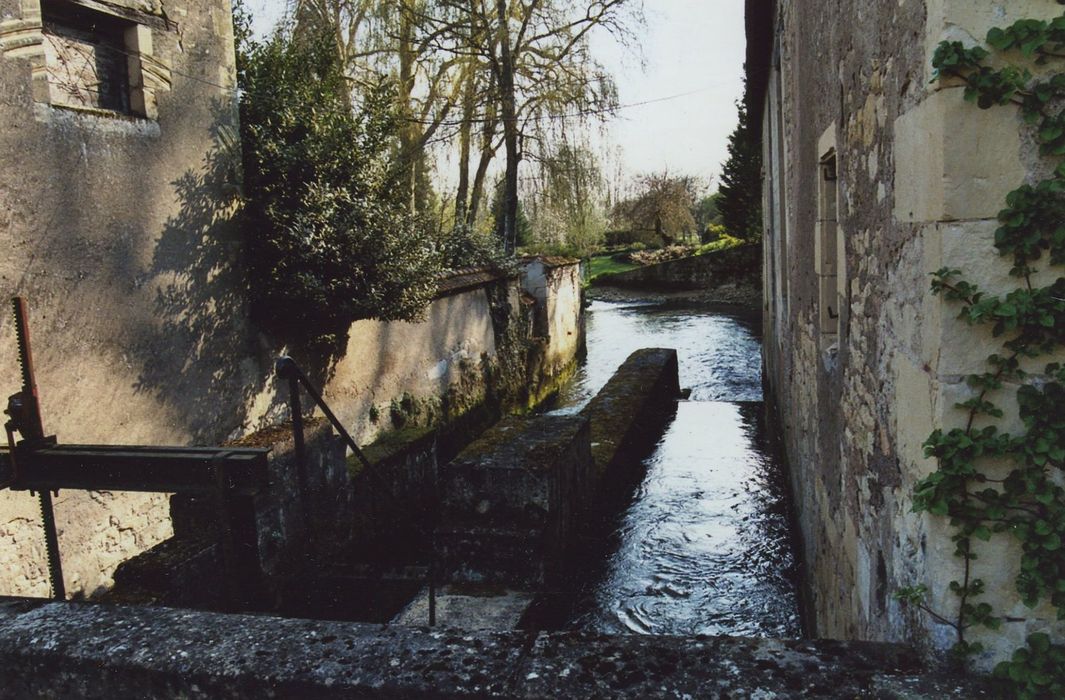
[95, 651]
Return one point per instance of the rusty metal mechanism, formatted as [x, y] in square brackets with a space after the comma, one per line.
[38, 464]
[24, 417]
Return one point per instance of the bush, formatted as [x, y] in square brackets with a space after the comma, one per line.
[464, 247]
[723, 243]
[328, 242]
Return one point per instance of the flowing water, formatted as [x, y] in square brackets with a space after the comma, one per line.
[704, 547]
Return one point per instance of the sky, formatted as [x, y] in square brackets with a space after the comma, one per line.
[693, 48]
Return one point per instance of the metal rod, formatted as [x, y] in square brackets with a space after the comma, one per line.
[300, 447]
[226, 536]
[51, 543]
[286, 367]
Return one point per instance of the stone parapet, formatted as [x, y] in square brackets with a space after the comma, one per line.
[628, 415]
[738, 268]
[97, 651]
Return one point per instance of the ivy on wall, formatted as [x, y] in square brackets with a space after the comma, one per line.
[1024, 499]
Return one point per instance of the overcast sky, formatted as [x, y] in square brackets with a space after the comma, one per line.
[688, 46]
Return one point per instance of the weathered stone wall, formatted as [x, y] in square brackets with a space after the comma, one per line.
[114, 227]
[97, 651]
[555, 285]
[734, 274]
[921, 176]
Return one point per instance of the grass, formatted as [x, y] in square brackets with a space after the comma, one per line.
[606, 265]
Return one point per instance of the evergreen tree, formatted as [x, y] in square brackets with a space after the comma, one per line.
[740, 193]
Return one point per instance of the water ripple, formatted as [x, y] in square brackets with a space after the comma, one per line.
[705, 547]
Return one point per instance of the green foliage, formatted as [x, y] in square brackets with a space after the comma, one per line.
[722, 242]
[1027, 504]
[522, 226]
[327, 240]
[740, 194]
[606, 265]
[1036, 671]
[463, 247]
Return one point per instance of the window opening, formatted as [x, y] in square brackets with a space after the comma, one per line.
[827, 240]
[86, 57]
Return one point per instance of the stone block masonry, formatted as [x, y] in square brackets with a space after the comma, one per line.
[875, 177]
[627, 417]
[96, 651]
[508, 501]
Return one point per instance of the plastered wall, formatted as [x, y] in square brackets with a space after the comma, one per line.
[921, 176]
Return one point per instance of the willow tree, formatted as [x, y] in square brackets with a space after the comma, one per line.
[566, 197]
[413, 43]
[546, 74]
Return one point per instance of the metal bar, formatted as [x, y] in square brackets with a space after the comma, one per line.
[226, 536]
[332, 417]
[300, 446]
[29, 422]
[287, 368]
[152, 470]
[51, 543]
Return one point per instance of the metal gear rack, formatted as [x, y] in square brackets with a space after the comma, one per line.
[38, 464]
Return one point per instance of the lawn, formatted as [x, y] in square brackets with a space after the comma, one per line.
[606, 265]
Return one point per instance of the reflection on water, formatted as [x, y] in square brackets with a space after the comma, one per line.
[704, 548]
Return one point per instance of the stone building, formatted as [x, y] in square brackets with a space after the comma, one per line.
[874, 177]
[115, 193]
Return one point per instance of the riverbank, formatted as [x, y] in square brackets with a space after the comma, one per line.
[746, 297]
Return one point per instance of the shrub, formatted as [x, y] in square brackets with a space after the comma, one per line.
[327, 239]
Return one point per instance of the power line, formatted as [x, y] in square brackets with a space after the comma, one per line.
[569, 115]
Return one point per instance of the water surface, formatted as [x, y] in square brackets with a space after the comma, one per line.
[704, 547]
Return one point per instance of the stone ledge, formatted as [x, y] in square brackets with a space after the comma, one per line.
[98, 651]
[628, 415]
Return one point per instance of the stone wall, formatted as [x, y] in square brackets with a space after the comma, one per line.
[114, 227]
[555, 286]
[875, 177]
[733, 273]
[97, 651]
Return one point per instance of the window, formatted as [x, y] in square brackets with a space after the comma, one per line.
[85, 58]
[95, 60]
[827, 242]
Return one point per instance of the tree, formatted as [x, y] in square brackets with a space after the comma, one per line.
[401, 41]
[706, 213]
[329, 240]
[663, 204]
[498, 210]
[740, 193]
[566, 198]
[541, 72]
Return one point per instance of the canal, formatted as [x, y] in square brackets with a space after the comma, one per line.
[704, 547]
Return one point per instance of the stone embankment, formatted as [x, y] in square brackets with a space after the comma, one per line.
[97, 651]
[729, 276]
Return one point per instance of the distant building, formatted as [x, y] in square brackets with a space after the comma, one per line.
[874, 177]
